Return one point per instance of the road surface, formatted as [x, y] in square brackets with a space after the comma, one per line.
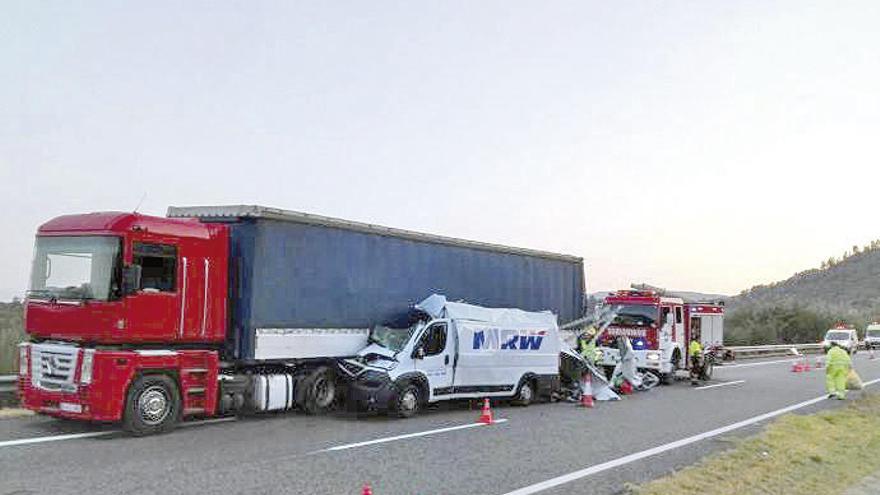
[544, 448]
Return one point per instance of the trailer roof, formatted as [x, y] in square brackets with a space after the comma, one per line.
[234, 212]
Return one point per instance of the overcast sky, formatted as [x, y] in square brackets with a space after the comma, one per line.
[707, 146]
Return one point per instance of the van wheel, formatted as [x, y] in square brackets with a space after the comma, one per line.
[152, 405]
[407, 400]
[525, 395]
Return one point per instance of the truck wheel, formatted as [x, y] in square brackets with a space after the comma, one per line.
[667, 378]
[525, 395]
[317, 392]
[152, 405]
[407, 400]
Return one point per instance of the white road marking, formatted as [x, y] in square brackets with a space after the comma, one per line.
[54, 438]
[409, 435]
[720, 385]
[620, 461]
[74, 436]
[746, 365]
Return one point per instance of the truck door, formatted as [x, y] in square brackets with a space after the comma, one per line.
[154, 309]
[436, 349]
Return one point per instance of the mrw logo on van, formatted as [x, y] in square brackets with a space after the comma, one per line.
[494, 339]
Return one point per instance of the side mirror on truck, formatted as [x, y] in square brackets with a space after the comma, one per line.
[131, 279]
[419, 353]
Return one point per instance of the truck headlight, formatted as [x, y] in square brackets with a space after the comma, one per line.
[652, 356]
[24, 362]
[85, 371]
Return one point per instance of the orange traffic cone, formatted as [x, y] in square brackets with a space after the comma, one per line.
[486, 414]
[586, 391]
[805, 366]
[367, 490]
[796, 367]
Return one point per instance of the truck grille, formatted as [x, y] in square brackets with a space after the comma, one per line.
[53, 366]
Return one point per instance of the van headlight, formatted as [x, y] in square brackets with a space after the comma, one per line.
[85, 371]
[24, 362]
[652, 356]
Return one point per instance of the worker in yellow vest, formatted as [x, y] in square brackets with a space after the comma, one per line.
[695, 355]
[587, 344]
[837, 366]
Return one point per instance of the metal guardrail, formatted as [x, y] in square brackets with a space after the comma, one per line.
[757, 351]
[8, 387]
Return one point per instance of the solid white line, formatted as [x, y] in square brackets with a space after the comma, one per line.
[409, 435]
[620, 461]
[55, 438]
[74, 436]
[720, 385]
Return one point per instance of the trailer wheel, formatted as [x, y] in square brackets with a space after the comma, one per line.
[407, 400]
[525, 394]
[152, 405]
[316, 393]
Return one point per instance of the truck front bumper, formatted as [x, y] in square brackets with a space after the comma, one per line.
[76, 405]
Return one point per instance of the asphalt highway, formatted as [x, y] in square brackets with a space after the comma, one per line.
[545, 448]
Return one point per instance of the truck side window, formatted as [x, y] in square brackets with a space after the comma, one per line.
[678, 318]
[158, 264]
[664, 314]
[434, 341]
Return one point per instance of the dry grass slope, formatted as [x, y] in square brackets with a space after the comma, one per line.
[821, 453]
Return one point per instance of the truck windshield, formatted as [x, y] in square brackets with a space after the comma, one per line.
[836, 335]
[873, 332]
[392, 338]
[78, 268]
[635, 315]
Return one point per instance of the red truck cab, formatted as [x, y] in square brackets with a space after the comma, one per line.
[121, 302]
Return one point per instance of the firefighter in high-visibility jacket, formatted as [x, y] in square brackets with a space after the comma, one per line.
[695, 355]
[587, 344]
[837, 366]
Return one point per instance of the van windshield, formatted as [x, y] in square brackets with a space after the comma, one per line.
[836, 335]
[392, 338]
[874, 332]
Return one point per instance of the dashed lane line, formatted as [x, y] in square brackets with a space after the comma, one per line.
[735, 382]
[408, 435]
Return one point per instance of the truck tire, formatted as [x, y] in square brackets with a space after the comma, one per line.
[407, 400]
[525, 394]
[666, 378]
[316, 393]
[152, 405]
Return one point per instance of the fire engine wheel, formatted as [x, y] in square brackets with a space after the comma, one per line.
[152, 405]
[317, 392]
[525, 395]
[407, 400]
[708, 369]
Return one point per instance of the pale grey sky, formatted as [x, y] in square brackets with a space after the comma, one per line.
[700, 145]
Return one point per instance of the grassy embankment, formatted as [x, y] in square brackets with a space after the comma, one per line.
[823, 453]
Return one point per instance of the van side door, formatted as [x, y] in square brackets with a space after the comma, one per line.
[433, 355]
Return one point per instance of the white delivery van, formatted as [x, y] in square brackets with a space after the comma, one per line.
[872, 336]
[456, 351]
[842, 336]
